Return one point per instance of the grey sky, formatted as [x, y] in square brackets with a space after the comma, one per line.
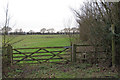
[37, 14]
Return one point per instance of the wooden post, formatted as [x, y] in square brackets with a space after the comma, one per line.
[113, 46]
[73, 53]
[9, 54]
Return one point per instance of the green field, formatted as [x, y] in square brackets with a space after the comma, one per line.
[31, 41]
[40, 41]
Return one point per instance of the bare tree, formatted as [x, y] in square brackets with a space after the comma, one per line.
[31, 31]
[95, 20]
[51, 30]
[7, 39]
[73, 38]
[74, 29]
[66, 30]
[7, 18]
[61, 31]
[16, 30]
[21, 30]
[6, 29]
[43, 30]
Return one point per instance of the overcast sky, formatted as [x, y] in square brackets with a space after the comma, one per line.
[37, 14]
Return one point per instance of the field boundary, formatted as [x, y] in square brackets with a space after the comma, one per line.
[38, 54]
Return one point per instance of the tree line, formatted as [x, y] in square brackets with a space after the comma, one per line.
[43, 31]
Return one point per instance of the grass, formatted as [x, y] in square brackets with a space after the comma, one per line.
[40, 41]
[47, 70]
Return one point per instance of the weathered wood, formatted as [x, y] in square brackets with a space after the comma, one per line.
[84, 45]
[61, 52]
[26, 56]
[74, 53]
[113, 46]
[43, 47]
[37, 55]
[10, 54]
[56, 62]
[38, 59]
[71, 52]
[31, 56]
[89, 52]
[4, 54]
[35, 52]
[54, 53]
[65, 54]
[26, 63]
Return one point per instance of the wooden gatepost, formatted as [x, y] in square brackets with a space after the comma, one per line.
[9, 55]
[73, 53]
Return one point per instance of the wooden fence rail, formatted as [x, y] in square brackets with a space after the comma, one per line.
[75, 52]
[45, 47]
[42, 52]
